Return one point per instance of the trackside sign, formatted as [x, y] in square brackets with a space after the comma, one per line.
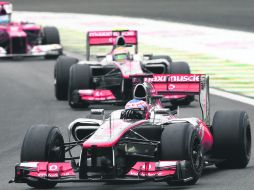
[174, 78]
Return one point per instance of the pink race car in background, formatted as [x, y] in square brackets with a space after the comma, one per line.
[143, 142]
[108, 80]
[19, 39]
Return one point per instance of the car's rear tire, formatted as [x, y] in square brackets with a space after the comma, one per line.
[181, 68]
[50, 35]
[181, 141]
[42, 143]
[61, 75]
[80, 78]
[232, 139]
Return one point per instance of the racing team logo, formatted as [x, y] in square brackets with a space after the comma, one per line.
[110, 33]
[171, 87]
[174, 78]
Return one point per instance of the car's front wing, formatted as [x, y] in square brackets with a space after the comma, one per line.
[63, 172]
[40, 50]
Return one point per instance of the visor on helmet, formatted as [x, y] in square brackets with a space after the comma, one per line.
[4, 19]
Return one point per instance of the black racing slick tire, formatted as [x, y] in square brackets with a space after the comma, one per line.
[61, 76]
[232, 139]
[42, 143]
[80, 78]
[181, 141]
[181, 68]
[50, 35]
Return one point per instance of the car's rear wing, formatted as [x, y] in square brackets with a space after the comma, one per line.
[108, 38]
[184, 84]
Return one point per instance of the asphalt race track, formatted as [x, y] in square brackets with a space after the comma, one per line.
[27, 98]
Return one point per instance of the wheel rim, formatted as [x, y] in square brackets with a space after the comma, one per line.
[248, 142]
[56, 150]
[196, 154]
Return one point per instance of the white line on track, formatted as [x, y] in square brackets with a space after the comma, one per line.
[231, 96]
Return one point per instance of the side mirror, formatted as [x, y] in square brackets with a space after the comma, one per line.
[100, 56]
[157, 96]
[148, 56]
[98, 112]
[162, 111]
[174, 112]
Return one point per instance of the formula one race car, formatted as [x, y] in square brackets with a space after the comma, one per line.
[108, 80]
[26, 39]
[143, 142]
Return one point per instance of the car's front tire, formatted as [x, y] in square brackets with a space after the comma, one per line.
[50, 35]
[181, 141]
[42, 143]
[61, 76]
[80, 78]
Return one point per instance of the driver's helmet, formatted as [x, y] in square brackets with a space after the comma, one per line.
[5, 12]
[136, 109]
[121, 54]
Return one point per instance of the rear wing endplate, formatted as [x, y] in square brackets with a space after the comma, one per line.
[108, 38]
[184, 84]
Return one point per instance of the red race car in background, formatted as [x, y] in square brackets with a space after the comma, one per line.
[108, 80]
[26, 39]
[143, 142]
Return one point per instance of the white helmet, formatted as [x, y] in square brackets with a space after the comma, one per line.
[5, 8]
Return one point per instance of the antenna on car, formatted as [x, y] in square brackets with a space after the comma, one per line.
[110, 125]
[110, 129]
[154, 113]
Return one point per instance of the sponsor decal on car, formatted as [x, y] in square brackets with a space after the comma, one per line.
[110, 33]
[174, 78]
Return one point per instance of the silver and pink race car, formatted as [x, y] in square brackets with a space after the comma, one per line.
[143, 142]
[108, 80]
[19, 39]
